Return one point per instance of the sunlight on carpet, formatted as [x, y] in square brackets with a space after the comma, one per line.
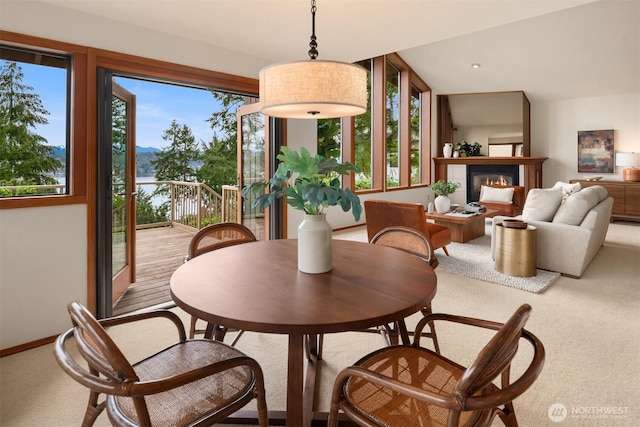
[473, 259]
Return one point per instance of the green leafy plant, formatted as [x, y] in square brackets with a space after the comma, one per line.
[442, 188]
[309, 183]
[468, 149]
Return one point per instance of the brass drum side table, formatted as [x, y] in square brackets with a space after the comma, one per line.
[516, 251]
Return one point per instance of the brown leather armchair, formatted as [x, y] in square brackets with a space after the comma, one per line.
[381, 214]
[506, 209]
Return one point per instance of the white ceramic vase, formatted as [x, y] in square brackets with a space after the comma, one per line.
[447, 149]
[443, 203]
[314, 244]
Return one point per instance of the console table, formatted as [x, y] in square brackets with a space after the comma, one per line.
[626, 197]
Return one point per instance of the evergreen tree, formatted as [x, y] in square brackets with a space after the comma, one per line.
[219, 166]
[25, 159]
[177, 162]
[219, 160]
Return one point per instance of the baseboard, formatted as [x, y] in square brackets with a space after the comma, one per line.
[27, 346]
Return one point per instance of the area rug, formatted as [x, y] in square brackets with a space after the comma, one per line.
[473, 259]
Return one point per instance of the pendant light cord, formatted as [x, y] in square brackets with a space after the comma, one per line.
[313, 52]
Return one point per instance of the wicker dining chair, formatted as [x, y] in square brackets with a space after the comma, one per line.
[210, 238]
[192, 382]
[414, 386]
[411, 241]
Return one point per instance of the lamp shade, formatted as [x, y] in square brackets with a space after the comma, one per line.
[313, 89]
[627, 159]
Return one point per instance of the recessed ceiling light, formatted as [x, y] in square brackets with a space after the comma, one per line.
[475, 66]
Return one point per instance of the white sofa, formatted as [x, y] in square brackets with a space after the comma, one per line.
[571, 229]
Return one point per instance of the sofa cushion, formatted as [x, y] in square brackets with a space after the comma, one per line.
[567, 188]
[541, 204]
[493, 194]
[600, 191]
[576, 206]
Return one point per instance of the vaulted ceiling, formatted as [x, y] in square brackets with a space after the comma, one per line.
[551, 49]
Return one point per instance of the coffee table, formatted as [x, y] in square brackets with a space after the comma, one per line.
[463, 229]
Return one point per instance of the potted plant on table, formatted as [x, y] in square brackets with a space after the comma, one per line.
[442, 189]
[309, 184]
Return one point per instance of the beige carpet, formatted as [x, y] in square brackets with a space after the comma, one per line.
[590, 328]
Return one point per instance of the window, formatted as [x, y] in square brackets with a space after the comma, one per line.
[34, 122]
[363, 133]
[392, 137]
[415, 146]
[391, 141]
[330, 138]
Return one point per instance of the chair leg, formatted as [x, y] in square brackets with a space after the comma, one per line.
[236, 338]
[432, 329]
[508, 415]
[446, 252]
[192, 327]
[93, 407]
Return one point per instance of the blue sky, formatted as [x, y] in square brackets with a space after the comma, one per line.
[157, 105]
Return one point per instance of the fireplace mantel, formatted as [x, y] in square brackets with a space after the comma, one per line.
[532, 167]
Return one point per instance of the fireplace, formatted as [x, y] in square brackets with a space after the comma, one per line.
[478, 175]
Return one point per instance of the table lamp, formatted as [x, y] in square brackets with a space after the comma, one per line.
[629, 161]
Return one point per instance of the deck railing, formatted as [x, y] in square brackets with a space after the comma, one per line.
[192, 204]
[196, 205]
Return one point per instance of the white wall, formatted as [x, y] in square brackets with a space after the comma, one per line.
[555, 126]
[481, 135]
[43, 267]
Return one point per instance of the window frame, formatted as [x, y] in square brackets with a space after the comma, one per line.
[408, 80]
[76, 122]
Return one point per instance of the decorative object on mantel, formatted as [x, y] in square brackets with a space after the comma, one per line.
[310, 184]
[442, 189]
[447, 149]
[466, 149]
[593, 178]
[313, 89]
[595, 151]
[630, 162]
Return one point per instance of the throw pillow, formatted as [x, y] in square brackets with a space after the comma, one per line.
[576, 207]
[541, 204]
[493, 194]
[567, 188]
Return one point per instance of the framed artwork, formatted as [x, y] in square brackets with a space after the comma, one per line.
[595, 151]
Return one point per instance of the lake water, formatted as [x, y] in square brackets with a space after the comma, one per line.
[148, 189]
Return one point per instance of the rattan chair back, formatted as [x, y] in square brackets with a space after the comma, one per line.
[408, 240]
[216, 236]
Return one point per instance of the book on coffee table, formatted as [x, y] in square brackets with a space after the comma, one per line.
[463, 214]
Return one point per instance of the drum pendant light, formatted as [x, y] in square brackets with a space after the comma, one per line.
[313, 89]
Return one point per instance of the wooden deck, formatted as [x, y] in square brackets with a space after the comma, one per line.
[159, 252]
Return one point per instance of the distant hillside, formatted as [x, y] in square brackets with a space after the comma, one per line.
[143, 157]
[61, 151]
[147, 149]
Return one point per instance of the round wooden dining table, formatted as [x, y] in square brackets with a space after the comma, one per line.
[257, 287]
